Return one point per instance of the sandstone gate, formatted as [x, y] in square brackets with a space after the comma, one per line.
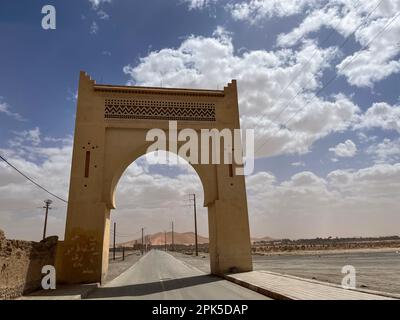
[111, 125]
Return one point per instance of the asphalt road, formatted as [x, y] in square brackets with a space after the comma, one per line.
[158, 275]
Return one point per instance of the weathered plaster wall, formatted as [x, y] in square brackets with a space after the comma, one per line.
[21, 264]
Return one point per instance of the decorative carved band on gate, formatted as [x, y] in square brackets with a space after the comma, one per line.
[160, 110]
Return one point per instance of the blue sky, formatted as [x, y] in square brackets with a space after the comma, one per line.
[164, 41]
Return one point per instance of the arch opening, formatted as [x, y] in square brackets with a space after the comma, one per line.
[160, 158]
[152, 194]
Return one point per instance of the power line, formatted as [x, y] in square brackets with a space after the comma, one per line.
[47, 207]
[172, 235]
[195, 221]
[142, 246]
[365, 19]
[31, 180]
[307, 63]
[124, 235]
[115, 231]
[163, 207]
[335, 76]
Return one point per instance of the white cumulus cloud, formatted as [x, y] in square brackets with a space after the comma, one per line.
[97, 3]
[344, 203]
[290, 122]
[380, 115]
[255, 10]
[387, 151]
[375, 26]
[199, 4]
[6, 109]
[345, 149]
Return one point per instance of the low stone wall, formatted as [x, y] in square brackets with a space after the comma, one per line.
[21, 264]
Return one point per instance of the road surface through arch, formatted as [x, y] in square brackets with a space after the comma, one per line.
[159, 276]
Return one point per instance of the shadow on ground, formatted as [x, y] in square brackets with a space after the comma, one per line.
[152, 287]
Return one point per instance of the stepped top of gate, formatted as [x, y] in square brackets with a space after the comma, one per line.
[156, 90]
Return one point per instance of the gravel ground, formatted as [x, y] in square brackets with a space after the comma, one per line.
[118, 266]
[202, 262]
[376, 270]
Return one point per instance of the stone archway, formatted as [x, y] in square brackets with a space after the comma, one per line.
[110, 131]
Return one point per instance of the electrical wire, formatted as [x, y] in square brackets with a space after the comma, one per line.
[31, 180]
[284, 125]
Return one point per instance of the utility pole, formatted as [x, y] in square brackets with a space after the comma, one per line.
[115, 232]
[47, 207]
[165, 240]
[172, 245]
[195, 222]
[142, 247]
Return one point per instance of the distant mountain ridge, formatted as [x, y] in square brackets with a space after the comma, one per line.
[157, 239]
[183, 238]
[266, 238]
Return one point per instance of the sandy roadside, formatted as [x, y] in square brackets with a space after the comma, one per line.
[330, 251]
